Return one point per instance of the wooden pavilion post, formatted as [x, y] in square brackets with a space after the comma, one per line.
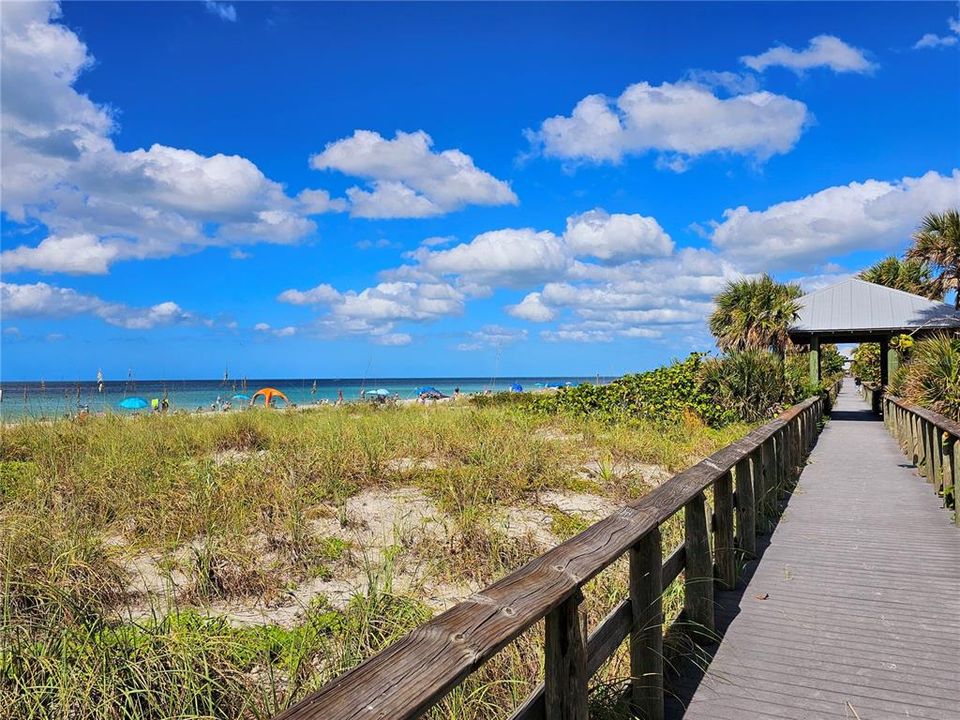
[884, 362]
[814, 359]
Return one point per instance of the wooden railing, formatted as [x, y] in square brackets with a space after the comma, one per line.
[930, 442]
[749, 479]
[872, 394]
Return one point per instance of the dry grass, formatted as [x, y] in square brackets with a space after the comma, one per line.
[275, 511]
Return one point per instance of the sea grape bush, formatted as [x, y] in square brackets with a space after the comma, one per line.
[661, 395]
[742, 386]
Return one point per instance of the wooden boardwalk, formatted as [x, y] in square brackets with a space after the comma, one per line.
[854, 608]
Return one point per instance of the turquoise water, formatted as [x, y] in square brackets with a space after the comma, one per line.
[40, 400]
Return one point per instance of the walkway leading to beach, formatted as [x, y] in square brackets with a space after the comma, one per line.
[854, 608]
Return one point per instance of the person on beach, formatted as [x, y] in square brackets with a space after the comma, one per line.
[339, 398]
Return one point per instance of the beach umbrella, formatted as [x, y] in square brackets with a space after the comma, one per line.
[382, 392]
[516, 387]
[269, 394]
[134, 403]
[240, 396]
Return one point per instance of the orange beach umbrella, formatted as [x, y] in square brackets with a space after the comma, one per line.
[268, 395]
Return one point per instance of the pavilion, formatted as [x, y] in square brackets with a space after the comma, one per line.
[856, 311]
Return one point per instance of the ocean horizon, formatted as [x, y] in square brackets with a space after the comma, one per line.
[41, 399]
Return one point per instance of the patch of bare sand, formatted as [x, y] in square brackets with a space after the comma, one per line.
[651, 474]
[384, 528]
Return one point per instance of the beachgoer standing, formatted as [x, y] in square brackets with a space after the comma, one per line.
[339, 397]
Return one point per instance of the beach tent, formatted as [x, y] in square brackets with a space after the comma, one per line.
[134, 403]
[516, 387]
[269, 394]
[429, 392]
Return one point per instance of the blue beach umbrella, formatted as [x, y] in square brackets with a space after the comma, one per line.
[516, 387]
[240, 396]
[134, 403]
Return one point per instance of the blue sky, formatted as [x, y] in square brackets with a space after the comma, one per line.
[419, 189]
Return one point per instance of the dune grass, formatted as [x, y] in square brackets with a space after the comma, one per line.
[232, 504]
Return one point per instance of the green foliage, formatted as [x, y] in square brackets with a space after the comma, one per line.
[913, 276]
[662, 395]
[937, 243]
[755, 314]
[749, 385]
[832, 363]
[866, 362]
[931, 377]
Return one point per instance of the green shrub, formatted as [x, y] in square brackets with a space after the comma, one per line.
[866, 362]
[749, 385]
[931, 377]
[665, 395]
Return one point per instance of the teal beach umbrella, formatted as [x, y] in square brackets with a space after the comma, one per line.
[134, 403]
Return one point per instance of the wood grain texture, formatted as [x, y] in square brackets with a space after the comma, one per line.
[646, 635]
[723, 546]
[861, 588]
[410, 676]
[565, 661]
[698, 579]
[746, 511]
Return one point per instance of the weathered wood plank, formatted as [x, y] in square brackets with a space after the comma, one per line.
[698, 580]
[646, 636]
[674, 564]
[723, 545]
[565, 661]
[746, 510]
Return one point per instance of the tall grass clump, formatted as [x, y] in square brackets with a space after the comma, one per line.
[931, 377]
[244, 510]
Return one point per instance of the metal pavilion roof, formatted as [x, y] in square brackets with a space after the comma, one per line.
[857, 306]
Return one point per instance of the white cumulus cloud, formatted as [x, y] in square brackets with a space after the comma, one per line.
[871, 215]
[408, 177]
[532, 308]
[60, 168]
[932, 40]
[616, 237]
[681, 120]
[44, 300]
[823, 51]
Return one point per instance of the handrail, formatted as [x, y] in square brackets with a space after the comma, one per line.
[930, 441]
[415, 673]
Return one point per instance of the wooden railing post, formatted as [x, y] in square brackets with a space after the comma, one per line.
[565, 661]
[921, 445]
[955, 472]
[933, 453]
[723, 548]
[646, 634]
[915, 434]
[762, 484]
[698, 588]
[746, 509]
[949, 469]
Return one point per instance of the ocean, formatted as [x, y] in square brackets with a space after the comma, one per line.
[43, 400]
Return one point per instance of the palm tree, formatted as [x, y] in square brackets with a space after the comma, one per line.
[755, 314]
[913, 276]
[937, 242]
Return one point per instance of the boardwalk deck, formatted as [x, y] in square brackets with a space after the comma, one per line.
[861, 580]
